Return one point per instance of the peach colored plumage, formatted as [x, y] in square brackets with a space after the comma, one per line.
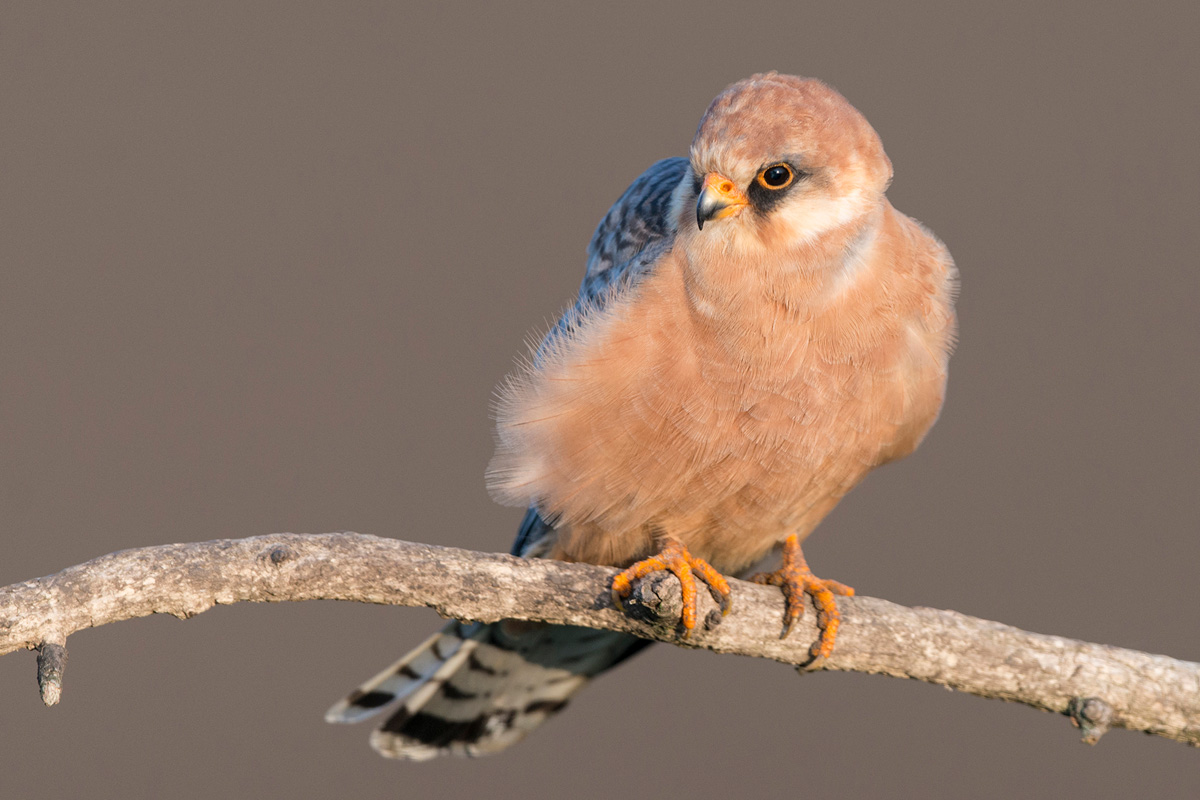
[765, 365]
[757, 330]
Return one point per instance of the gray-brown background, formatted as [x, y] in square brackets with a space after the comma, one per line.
[262, 266]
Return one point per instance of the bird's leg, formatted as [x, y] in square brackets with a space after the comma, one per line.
[796, 580]
[676, 559]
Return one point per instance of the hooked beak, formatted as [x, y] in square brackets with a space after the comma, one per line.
[718, 199]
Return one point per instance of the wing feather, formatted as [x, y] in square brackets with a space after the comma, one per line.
[637, 230]
[634, 234]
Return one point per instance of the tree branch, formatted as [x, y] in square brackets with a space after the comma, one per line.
[1096, 685]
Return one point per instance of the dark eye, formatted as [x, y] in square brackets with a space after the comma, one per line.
[777, 177]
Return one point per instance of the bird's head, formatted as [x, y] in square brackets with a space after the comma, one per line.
[778, 161]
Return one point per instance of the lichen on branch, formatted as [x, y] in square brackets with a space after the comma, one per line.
[1097, 686]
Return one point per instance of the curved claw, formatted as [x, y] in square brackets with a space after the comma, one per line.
[676, 559]
[796, 580]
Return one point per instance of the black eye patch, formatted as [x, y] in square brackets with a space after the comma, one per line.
[772, 183]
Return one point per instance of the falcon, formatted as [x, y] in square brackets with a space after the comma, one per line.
[757, 329]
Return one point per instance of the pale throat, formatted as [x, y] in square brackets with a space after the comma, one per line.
[734, 281]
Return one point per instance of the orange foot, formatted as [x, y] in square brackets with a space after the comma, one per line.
[676, 559]
[797, 580]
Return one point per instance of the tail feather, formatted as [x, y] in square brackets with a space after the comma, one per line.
[474, 689]
[419, 666]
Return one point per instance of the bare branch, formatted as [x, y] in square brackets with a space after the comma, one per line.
[1096, 685]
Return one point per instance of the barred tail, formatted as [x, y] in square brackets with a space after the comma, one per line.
[474, 689]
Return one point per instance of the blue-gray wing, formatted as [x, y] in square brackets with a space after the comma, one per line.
[635, 231]
[633, 235]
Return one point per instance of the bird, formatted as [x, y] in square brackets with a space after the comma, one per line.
[757, 328]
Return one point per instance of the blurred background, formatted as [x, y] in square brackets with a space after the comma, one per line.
[261, 266]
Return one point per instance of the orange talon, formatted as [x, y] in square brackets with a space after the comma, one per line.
[676, 559]
[796, 580]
